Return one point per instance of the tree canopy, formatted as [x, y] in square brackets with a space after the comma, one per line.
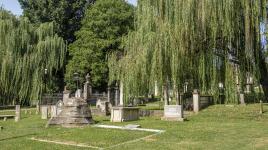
[204, 42]
[67, 14]
[101, 33]
[26, 50]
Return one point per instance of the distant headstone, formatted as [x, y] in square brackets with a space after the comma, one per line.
[17, 113]
[196, 101]
[44, 111]
[78, 93]
[173, 113]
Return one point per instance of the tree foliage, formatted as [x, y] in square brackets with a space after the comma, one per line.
[25, 51]
[67, 14]
[101, 33]
[202, 41]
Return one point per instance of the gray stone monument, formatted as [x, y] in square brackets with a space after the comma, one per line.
[17, 113]
[59, 107]
[75, 113]
[173, 113]
[44, 112]
[196, 101]
[242, 99]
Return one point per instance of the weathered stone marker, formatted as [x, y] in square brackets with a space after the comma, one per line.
[44, 112]
[173, 113]
[59, 107]
[87, 88]
[196, 101]
[242, 99]
[261, 107]
[17, 113]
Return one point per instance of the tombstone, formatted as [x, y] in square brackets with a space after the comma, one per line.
[173, 113]
[17, 113]
[242, 99]
[44, 112]
[196, 101]
[59, 107]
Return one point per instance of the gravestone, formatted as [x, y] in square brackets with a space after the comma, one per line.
[173, 113]
[44, 112]
[196, 101]
[242, 99]
[87, 88]
[78, 93]
[17, 113]
[59, 107]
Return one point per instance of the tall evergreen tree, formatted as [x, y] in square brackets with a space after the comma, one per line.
[101, 33]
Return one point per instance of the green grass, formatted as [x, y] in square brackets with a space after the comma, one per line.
[217, 127]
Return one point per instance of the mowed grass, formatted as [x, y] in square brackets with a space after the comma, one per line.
[215, 128]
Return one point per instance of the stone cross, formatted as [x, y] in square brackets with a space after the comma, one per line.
[17, 114]
[196, 101]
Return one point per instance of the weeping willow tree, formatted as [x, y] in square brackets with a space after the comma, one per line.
[206, 42]
[25, 52]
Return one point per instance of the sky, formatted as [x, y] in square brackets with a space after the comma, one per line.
[14, 6]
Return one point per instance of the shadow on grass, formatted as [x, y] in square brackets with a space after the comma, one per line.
[16, 137]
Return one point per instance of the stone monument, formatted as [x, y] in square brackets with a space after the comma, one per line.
[173, 113]
[75, 112]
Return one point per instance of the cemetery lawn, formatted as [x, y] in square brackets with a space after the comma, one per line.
[217, 127]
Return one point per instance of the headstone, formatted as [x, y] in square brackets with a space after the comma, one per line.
[196, 101]
[242, 99]
[53, 111]
[44, 112]
[17, 113]
[173, 113]
[59, 107]
[122, 114]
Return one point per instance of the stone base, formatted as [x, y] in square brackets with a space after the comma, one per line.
[172, 119]
[122, 114]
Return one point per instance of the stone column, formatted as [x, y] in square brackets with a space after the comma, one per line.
[44, 111]
[109, 94]
[121, 94]
[155, 89]
[116, 95]
[87, 88]
[196, 101]
[17, 115]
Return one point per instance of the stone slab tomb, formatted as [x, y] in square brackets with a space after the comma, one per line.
[173, 113]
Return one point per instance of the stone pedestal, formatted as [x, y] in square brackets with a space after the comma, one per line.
[196, 101]
[173, 113]
[75, 113]
[122, 114]
[44, 112]
[17, 113]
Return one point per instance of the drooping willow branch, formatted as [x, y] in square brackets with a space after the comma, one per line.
[202, 41]
[25, 52]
